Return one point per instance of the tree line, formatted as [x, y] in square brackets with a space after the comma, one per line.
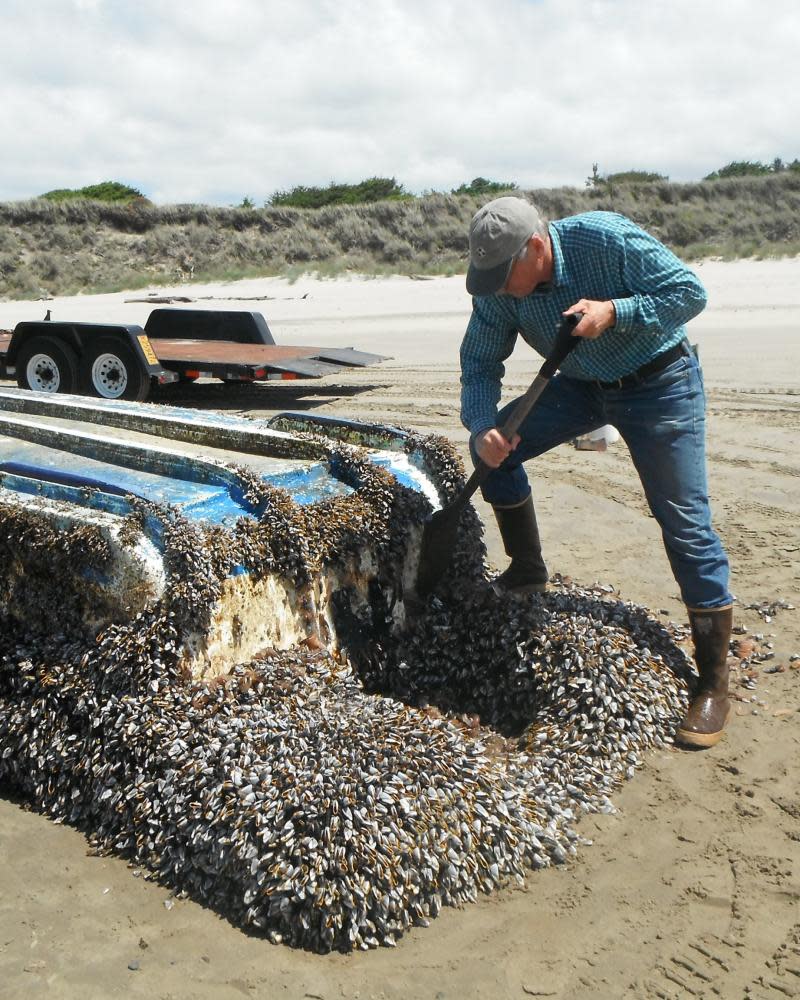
[388, 189]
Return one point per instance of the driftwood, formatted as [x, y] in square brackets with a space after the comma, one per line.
[169, 299]
[254, 298]
[163, 300]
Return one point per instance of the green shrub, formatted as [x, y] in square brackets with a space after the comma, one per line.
[47, 266]
[110, 191]
[598, 180]
[481, 187]
[739, 168]
[373, 189]
[8, 265]
[634, 177]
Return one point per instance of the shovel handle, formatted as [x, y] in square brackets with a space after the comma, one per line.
[564, 343]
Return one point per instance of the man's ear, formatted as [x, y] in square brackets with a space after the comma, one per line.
[536, 245]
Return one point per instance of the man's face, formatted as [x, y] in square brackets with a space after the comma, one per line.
[528, 272]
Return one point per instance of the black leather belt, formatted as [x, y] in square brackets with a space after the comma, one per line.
[658, 363]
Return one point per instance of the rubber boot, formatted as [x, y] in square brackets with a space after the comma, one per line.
[527, 573]
[710, 708]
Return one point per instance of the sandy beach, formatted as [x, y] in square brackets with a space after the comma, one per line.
[693, 887]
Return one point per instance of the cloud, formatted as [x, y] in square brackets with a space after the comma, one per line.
[205, 101]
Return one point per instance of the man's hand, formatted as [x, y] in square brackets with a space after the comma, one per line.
[597, 317]
[493, 448]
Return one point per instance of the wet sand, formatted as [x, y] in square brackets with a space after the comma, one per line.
[693, 887]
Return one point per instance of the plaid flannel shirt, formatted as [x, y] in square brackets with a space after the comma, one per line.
[596, 255]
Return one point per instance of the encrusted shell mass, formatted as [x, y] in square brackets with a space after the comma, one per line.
[337, 792]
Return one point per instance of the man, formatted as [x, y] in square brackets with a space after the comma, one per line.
[633, 369]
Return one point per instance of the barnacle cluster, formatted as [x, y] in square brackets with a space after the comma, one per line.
[331, 797]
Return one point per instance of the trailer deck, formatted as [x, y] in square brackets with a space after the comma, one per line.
[231, 361]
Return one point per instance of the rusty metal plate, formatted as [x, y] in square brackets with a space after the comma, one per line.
[312, 362]
[199, 352]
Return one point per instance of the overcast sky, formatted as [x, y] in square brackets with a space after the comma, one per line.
[214, 100]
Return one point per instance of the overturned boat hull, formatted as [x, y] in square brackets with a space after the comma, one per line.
[107, 506]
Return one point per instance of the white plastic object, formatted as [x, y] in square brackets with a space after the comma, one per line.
[598, 439]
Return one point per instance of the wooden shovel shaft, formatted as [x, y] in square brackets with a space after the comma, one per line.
[441, 529]
[524, 406]
[564, 343]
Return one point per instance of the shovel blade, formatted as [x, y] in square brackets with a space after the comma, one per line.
[438, 542]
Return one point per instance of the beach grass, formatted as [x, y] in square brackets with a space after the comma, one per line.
[79, 245]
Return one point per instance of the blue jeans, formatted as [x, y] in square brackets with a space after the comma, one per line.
[662, 421]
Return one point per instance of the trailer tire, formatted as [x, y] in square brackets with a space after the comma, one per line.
[113, 371]
[46, 364]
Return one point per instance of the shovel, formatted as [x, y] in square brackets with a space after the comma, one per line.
[441, 529]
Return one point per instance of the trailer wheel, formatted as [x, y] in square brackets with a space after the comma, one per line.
[113, 371]
[46, 364]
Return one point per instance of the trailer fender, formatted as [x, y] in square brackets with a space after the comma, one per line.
[114, 361]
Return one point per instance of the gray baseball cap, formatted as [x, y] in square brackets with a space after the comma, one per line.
[497, 233]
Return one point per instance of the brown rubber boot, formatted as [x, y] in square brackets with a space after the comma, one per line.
[710, 708]
[527, 573]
